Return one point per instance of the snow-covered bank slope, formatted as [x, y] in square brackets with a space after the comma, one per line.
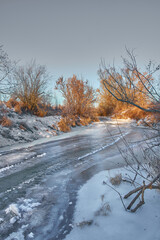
[100, 214]
[26, 128]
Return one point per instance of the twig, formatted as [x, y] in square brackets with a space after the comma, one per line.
[117, 193]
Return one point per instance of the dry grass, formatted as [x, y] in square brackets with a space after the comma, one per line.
[16, 105]
[85, 121]
[18, 108]
[84, 223]
[41, 112]
[64, 125]
[116, 180]
[6, 122]
[69, 121]
[11, 103]
[104, 210]
[22, 127]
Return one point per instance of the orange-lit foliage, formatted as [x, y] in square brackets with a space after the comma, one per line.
[6, 122]
[108, 104]
[13, 103]
[131, 112]
[30, 84]
[64, 125]
[19, 107]
[85, 121]
[79, 100]
[41, 112]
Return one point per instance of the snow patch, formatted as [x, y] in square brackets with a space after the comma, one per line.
[31, 235]
[100, 214]
[61, 218]
[6, 168]
[13, 220]
[41, 155]
[17, 210]
[13, 208]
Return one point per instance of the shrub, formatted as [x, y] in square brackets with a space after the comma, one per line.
[17, 105]
[131, 112]
[18, 109]
[41, 112]
[64, 125]
[85, 121]
[6, 122]
[79, 100]
[11, 103]
[30, 83]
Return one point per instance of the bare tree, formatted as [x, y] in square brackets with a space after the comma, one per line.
[129, 83]
[6, 67]
[79, 97]
[30, 84]
[132, 86]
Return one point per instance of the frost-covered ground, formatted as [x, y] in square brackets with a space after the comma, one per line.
[39, 182]
[26, 127]
[100, 214]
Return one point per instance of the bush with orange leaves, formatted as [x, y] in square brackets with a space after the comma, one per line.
[5, 122]
[11, 103]
[17, 105]
[109, 105]
[64, 125]
[29, 88]
[139, 98]
[129, 88]
[79, 99]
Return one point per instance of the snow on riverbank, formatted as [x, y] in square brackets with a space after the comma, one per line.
[100, 214]
[16, 212]
[26, 128]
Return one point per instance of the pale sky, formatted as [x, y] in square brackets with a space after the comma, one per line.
[71, 36]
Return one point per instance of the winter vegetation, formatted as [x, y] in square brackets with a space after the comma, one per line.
[134, 94]
[131, 92]
[124, 93]
[79, 99]
[27, 113]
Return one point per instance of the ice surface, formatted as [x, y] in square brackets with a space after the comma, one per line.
[103, 147]
[19, 235]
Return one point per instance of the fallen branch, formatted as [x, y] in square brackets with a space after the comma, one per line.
[140, 191]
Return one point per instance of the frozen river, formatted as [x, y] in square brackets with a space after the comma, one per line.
[39, 182]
